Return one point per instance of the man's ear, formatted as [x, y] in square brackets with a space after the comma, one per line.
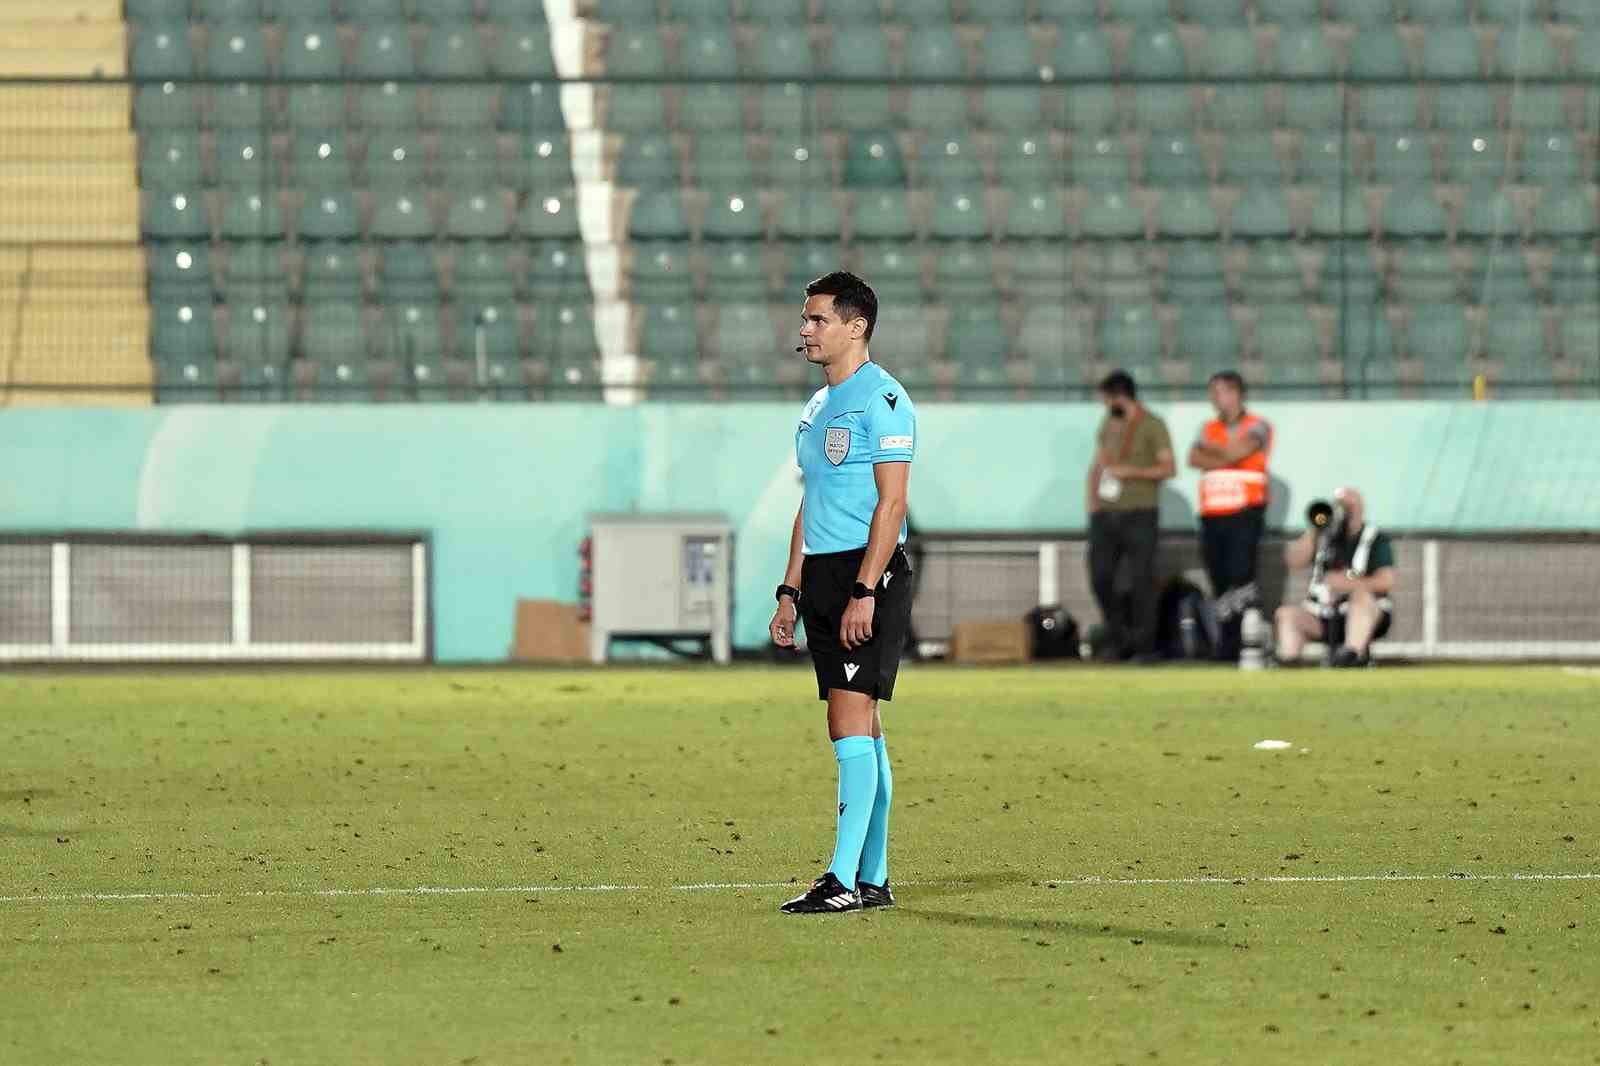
[858, 328]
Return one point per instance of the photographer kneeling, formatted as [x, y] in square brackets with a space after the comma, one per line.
[1347, 605]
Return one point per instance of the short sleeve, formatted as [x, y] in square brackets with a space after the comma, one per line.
[1160, 439]
[1382, 553]
[891, 426]
[1261, 433]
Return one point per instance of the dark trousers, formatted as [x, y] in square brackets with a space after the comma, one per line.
[1231, 548]
[1118, 538]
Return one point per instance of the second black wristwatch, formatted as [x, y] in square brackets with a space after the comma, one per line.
[789, 591]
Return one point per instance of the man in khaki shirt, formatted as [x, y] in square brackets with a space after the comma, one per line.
[1132, 457]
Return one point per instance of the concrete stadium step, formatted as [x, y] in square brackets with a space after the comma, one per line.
[40, 49]
[62, 345]
[56, 215]
[54, 108]
[22, 11]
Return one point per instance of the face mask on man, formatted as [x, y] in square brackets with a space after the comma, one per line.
[1118, 410]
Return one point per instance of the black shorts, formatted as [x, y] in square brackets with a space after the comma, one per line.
[825, 585]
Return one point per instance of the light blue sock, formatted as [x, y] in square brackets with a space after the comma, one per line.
[875, 852]
[858, 784]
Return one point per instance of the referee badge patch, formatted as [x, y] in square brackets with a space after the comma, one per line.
[837, 444]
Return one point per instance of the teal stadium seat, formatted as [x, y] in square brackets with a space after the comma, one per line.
[1110, 211]
[311, 50]
[179, 271]
[1489, 211]
[737, 269]
[1139, 11]
[1251, 157]
[959, 212]
[1103, 162]
[478, 213]
[1084, 52]
[895, 268]
[1479, 156]
[391, 105]
[539, 160]
[1187, 211]
[1451, 52]
[1173, 158]
[401, 212]
[469, 158]
[1273, 273]
[863, 52]
[259, 336]
[1446, 12]
[332, 273]
[1515, 335]
[1412, 211]
[322, 159]
[710, 52]
[935, 53]
[252, 215]
[446, 12]
[1130, 337]
[237, 51]
[158, 10]
[166, 106]
[409, 272]
[1305, 52]
[1402, 157]
[1575, 272]
[384, 50]
[170, 159]
[1010, 53]
[660, 272]
[335, 334]
[885, 214]
[1027, 158]
[453, 50]
[1262, 212]
[723, 159]
[1425, 273]
[1228, 13]
[522, 50]
[1564, 211]
[162, 50]
[733, 213]
[1340, 210]
[1036, 213]
[329, 214]
[872, 158]
[965, 271]
[1286, 336]
[1194, 272]
[647, 159]
[181, 333]
[366, 11]
[531, 107]
[175, 214]
[1362, 12]
[293, 11]
[1551, 157]
[1466, 107]
[550, 214]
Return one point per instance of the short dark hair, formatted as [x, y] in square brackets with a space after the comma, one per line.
[1229, 377]
[1119, 383]
[852, 297]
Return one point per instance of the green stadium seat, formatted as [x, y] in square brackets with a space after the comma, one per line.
[1580, 337]
[158, 10]
[1575, 272]
[453, 50]
[1402, 157]
[657, 213]
[1232, 51]
[881, 214]
[1040, 270]
[1130, 335]
[1451, 52]
[1330, 156]
[660, 272]
[935, 52]
[550, 213]
[1146, 11]
[1273, 273]
[1187, 211]
[491, 326]
[1289, 11]
[365, 11]
[1441, 340]
[162, 50]
[1529, 52]
[1340, 211]
[332, 273]
[635, 108]
[1465, 107]
[538, 161]
[461, 107]
[1105, 162]
[895, 268]
[711, 108]
[700, 12]
[1208, 338]
[179, 271]
[468, 158]
[475, 213]
[635, 52]
[649, 159]
[311, 50]
[873, 159]
[1425, 273]
[1363, 333]
[174, 213]
[1110, 211]
[318, 106]
[863, 52]
[241, 105]
[244, 159]
[1036, 213]
[625, 10]
[1579, 11]
[522, 50]
[295, 11]
[964, 272]
[1262, 212]
[1068, 12]
[1009, 52]
[799, 159]
[1538, 105]
[1250, 157]
[482, 273]
[1051, 334]
[1083, 51]
[747, 346]
[384, 50]
[1448, 12]
[1564, 211]
[329, 214]
[1551, 157]
[409, 272]
[1478, 157]
[170, 159]
[532, 107]
[925, 12]
[181, 332]
[259, 334]
[1194, 272]
[256, 272]
[958, 212]
[723, 159]
[708, 50]
[1304, 51]
[1023, 158]
[1413, 212]
[1389, 107]
[394, 160]
[447, 12]
[1489, 211]
[1313, 106]
[1378, 52]
[734, 213]
[1362, 12]
[782, 52]
[412, 333]
[1237, 107]
[1500, 276]
[390, 105]
[251, 214]
[335, 334]
[669, 331]
[166, 106]
[1173, 158]
[736, 270]
[904, 340]
[1156, 51]
[805, 261]
[1162, 106]
[237, 51]
[322, 159]
[1286, 335]
[1586, 53]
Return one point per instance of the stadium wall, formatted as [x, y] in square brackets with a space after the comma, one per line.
[505, 490]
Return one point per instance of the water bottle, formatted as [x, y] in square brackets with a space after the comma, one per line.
[1252, 639]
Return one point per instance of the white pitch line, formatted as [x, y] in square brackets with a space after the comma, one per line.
[723, 886]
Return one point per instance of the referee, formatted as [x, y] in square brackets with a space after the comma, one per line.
[848, 577]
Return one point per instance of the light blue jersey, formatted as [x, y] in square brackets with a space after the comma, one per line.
[845, 430]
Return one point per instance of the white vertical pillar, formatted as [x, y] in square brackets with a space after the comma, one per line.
[60, 596]
[241, 595]
[1430, 596]
[1049, 573]
[419, 599]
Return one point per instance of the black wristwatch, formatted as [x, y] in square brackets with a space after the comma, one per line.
[789, 591]
[862, 592]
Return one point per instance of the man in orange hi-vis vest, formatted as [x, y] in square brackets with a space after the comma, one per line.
[1232, 454]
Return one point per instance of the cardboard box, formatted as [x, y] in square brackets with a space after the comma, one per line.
[549, 632]
[996, 641]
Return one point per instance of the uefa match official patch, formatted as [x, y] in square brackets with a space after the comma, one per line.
[837, 445]
[887, 443]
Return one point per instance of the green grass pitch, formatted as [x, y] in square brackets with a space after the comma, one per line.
[1094, 866]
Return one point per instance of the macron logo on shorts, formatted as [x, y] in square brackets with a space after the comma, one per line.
[889, 443]
[850, 671]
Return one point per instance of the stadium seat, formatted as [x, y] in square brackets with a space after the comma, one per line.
[521, 50]
[478, 213]
[1565, 211]
[895, 269]
[1413, 212]
[1194, 272]
[260, 334]
[1402, 157]
[468, 159]
[1187, 211]
[883, 214]
[1286, 335]
[364, 11]
[1580, 338]
[1208, 338]
[537, 161]
[482, 274]
[1083, 52]
[1529, 52]
[1489, 211]
[1479, 157]
[965, 271]
[170, 159]
[251, 214]
[162, 50]
[556, 271]
[1550, 157]
[782, 52]
[1262, 212]
[1138, 11]
[1027, 158]
[1362, 12]
[1575, 272]
[401, 212]
[237, 51]
[1340, 211]
[1130, 337]
[1451, 52]
[322, 159]
[384, 50]
[1449, 12]
[1272, 274]
[734, 213]
[296, 11]
[1051, 335]
[412, 333]
[1009, 53]
[390, 105]
[1515, 335]
[535, 106]
[959, 212]
[168, 214]
[872, 158]
[659, 272]
[808, 260]
[166, 106]
[332, 273]
[409, 272]
[1068, 12]
[1173, 158]
[453, 50]
[647, 159]
[329, 214]
[861, 53]
[1425, 273]
[1111, 212]
[1041, 270]
[736, 270]
[1251, 157]
[181, 333]
[1036, 213]
[334, 333]
[1465, 107]
[950, 157]
[158, 10]
[1105, 162]
[1537, 105]
[552, 213]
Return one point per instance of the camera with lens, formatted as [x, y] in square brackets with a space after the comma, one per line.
[1326, 519]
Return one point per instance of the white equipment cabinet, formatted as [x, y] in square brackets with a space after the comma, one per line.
[662, 577]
